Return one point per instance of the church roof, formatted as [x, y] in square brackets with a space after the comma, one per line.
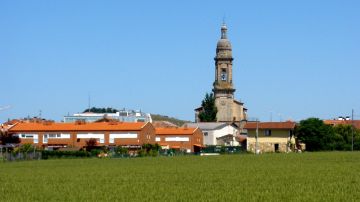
[238, 102]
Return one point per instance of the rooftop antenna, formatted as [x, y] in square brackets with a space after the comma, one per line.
[280, 117]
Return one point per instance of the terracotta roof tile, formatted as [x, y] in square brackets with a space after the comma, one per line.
[344, 122]
[103, 126]
[270, 125]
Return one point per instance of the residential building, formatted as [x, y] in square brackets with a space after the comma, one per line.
[123, 116]
[183, 139]
[355, 123]
[57, 135]
[215, 133]
[272, 136]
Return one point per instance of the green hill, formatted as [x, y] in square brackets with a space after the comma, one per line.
[178, 122]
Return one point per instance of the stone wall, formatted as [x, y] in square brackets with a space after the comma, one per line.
[266, 147]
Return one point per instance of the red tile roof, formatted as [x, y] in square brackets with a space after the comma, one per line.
[175, 131]
[11, 122]
[344, 122]
[103, 126]
[270, 125]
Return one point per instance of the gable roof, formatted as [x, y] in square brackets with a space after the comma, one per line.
[175, 131]
[238, 102]
[199, 109]
[270, 125]
[206, 125]
[356, 123]
[101, 126]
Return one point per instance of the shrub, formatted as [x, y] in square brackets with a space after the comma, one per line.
[121, 150]
[61, 154]
[149, 150]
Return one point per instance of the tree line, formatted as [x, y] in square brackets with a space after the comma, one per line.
[319, 136]
[101, 110]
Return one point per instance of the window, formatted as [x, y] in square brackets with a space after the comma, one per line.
[111, 140]
[206, 133]
[57, 135]
[123, 114]
[223, 75]
[267, 132]
[27, 135]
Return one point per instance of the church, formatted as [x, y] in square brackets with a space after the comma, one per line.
[229, 110]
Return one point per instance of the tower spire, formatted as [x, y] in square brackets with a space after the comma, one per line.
[224, 31]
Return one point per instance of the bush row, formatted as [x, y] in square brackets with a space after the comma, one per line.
[61, 154]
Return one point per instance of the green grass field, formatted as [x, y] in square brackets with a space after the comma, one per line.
[333, 176]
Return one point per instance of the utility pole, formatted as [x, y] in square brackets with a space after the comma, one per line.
[352, 130]
[257, 137]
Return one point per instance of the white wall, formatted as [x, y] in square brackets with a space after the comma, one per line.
[176, 139]
[114, 136]
[210, 139]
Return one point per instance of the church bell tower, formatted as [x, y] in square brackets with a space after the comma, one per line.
[229, 109]
[223, 85]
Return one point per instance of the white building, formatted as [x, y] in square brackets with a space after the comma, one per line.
[216, 133]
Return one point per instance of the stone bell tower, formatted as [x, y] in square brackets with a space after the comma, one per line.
[229, 109]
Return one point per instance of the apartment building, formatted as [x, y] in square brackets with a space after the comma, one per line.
[183, 139]
[57, 135]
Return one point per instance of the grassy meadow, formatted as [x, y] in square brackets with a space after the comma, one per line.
[332, 176]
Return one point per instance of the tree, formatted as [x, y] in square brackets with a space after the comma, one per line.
[7, 138]
[25, 148]
[101, 110]
[209, 110]
[316, 135]
[91, 144]
[344, 132]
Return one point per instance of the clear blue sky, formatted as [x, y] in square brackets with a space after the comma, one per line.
[293, 59]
